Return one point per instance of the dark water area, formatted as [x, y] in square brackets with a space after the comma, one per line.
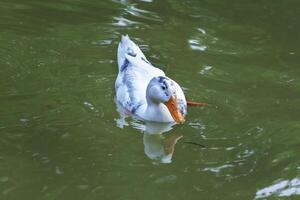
[61, 136]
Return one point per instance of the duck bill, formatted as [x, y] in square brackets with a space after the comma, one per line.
[173, 109]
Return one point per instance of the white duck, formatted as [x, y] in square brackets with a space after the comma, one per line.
[145, 91]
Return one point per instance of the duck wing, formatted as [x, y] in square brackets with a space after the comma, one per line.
[135, 72]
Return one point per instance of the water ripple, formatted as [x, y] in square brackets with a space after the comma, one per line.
[132, 11]
[218, 169]
[144, 14]
[121, 21]
[283, 188]
[196, 45]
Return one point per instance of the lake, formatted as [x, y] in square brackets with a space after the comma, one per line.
[63, 138]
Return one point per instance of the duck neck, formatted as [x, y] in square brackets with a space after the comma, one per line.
[158, 112]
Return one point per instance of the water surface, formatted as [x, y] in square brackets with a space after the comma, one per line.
[61, 134]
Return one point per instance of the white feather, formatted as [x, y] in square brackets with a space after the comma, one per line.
[135, 73]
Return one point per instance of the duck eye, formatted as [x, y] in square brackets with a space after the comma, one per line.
[163, 87]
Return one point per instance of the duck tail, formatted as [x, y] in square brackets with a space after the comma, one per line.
[127, 48]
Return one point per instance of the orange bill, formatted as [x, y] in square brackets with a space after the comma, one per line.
[173, 109]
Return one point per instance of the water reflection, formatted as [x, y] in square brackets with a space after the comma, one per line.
[132, 15]
[283, 188]
[121, 21]
[158, 144]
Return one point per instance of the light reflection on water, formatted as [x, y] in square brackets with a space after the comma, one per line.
[282, 188]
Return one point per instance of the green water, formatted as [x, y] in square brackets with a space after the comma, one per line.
[61, 137]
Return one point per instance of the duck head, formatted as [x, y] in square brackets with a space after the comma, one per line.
[162, 90]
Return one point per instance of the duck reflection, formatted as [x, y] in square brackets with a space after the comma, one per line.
[158, 144]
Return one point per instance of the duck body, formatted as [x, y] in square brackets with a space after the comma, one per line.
[144, 90]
